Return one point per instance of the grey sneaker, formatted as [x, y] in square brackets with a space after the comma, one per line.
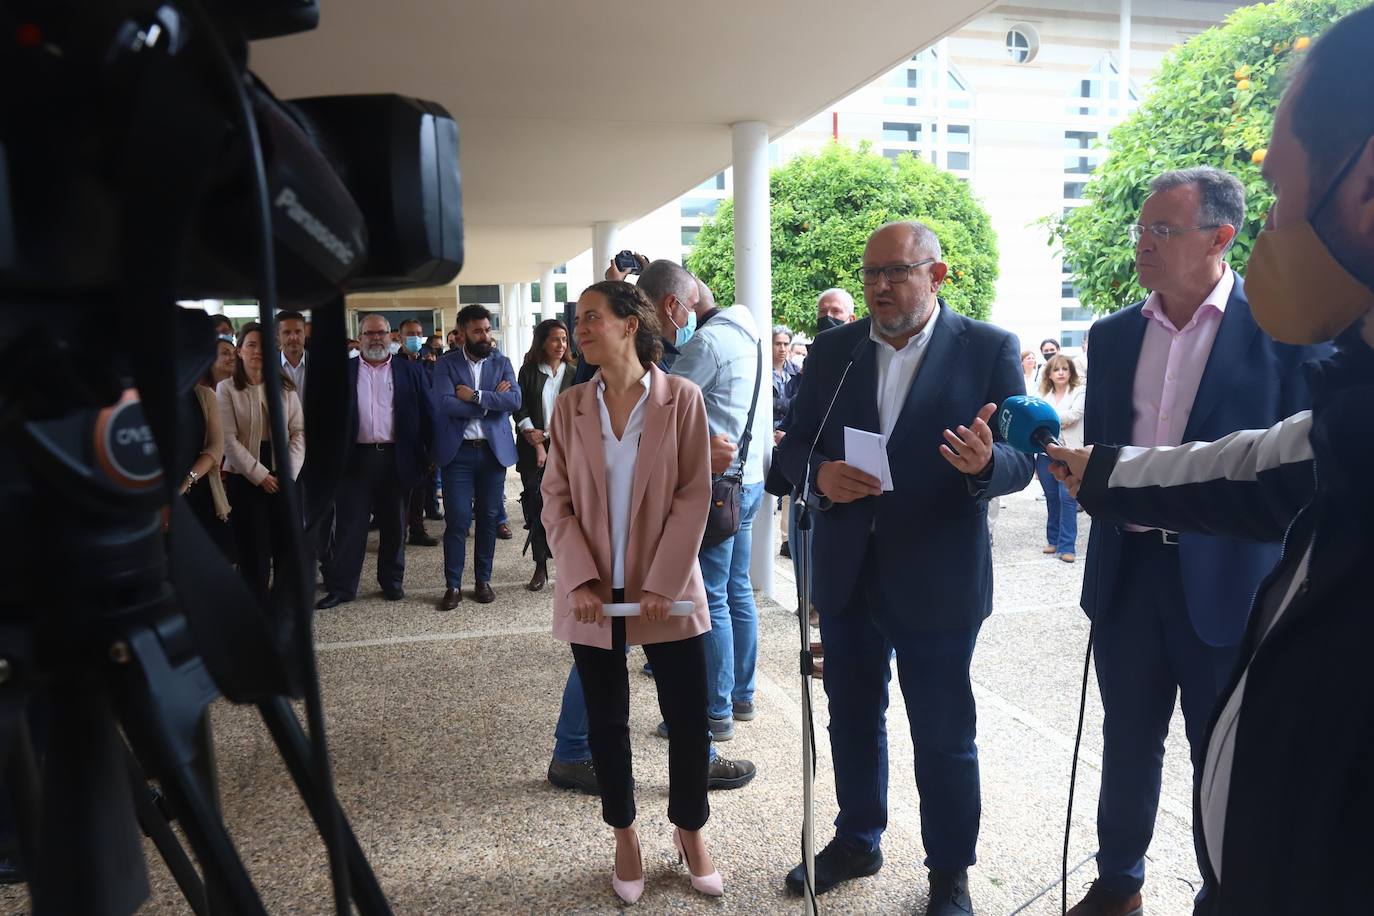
[729, 774]
[744, 710]
[721, 729]
[580, 776]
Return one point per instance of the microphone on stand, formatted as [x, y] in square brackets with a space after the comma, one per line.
[1028, 424]
[806, 493]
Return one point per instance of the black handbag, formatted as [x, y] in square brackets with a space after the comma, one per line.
[723, 521]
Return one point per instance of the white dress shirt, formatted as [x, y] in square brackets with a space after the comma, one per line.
[621, 457]
[548, 396]
[296, 374]
[897, 370]
[474, 427]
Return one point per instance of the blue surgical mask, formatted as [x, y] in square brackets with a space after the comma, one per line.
[685, 332]
[413, 344]
[394, 347]
[353, 354]
[228, 338]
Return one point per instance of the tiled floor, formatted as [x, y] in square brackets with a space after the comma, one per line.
[441, 730]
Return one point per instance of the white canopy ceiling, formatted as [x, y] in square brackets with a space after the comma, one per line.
[576, 112]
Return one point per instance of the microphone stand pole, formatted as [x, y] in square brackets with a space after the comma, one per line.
[802, 553]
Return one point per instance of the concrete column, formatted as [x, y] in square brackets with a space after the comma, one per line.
[526, 318]
[510, 319]
[1123, 61]
[605, 243]
[754, 289]
[549, 306]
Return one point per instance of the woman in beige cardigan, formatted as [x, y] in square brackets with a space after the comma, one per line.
[627, 487]
[260, 517]
[203, 487]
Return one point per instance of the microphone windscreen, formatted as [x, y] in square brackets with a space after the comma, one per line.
[1021, 417]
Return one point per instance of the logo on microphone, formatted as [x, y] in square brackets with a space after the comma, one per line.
[1004, 423]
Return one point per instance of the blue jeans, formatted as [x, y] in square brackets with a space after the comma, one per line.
[933, 666]
[1061, 529]
[473, 476]
[733, 643]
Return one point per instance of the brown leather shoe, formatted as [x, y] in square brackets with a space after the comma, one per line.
[452, 598]
[1101, 902]
[540, 578]
[484, 594]
[503, 532]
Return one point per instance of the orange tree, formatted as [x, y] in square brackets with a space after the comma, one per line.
[1212, 103]
[824, 207]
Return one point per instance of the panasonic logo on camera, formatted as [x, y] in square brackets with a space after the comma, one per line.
[317, 230]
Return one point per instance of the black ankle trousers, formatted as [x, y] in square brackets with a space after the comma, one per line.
[680, 674]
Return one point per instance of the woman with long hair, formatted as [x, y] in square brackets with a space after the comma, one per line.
[1061, 386]
[627, 488]
[547, 372]
[203, 486]
[260, 517]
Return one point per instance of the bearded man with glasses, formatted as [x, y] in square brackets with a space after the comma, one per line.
[908, 569]
[1188, 363]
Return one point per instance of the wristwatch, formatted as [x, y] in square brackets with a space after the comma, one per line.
[476, 396]
[191, 478]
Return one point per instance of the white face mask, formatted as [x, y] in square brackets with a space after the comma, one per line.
[353, 354]
[394, 347]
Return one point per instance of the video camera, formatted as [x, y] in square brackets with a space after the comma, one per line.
[142, 162]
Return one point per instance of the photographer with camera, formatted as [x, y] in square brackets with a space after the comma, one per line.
[259, 517]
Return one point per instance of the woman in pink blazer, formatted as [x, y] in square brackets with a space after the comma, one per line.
[627, 487]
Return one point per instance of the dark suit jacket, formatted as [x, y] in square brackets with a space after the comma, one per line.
[1251, 382]
[532, 383]
[412, 418]
[451, 415]
[932, 567]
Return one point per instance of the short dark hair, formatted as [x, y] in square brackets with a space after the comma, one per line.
[217, 320]
[1049, 340]
[415, 321]
[1333, 111]
[1221, 195]
[629, 301]
[542, 330]
[290, 315]
[470, 313]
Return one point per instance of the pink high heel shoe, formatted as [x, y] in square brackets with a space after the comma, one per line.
[629, 891]
[711, 884]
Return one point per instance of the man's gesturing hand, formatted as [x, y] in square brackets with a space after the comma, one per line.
[723, 453]
[1069, 465]
[970, 447]
[844, 483]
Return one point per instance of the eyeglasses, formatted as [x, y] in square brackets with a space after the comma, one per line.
[376, 333]
[895, 273]
[1162, 232]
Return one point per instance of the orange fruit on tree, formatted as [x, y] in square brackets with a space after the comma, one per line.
[1258, 156]
[1302, 43]
[1242, 71]
[1243, 85]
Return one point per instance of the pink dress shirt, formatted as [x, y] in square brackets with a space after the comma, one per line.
[374, 402]
[1170, 367]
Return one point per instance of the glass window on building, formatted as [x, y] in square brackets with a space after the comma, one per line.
[909, 101]
[957, 160]
[689, 235]
[1075, 313]
[901, 132]
[957, 134]
[699, 206]
[895, 154]
[1066, 290]
[1073, 190]
[1081, 163]
[1022, 44]
[1072, 338]
[715, 183]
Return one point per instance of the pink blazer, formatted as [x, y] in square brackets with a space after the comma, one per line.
[671, 497]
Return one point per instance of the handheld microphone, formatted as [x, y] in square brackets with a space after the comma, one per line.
[1028, 424]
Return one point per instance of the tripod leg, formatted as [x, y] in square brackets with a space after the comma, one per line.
[295, 751]
[156, 828]
[161, 708]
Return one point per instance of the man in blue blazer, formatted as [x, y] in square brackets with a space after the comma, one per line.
[1169, 610]
[390, 429]
[909, 569]
[475, 392]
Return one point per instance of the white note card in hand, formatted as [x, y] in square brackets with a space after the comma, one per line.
[868, 452]
[631, 609]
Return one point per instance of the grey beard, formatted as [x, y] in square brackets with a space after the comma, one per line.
[377, 352]
[904, 324]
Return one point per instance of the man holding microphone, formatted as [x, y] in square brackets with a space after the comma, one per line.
[1283, 798]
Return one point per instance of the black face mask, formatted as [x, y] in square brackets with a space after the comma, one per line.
[480, 350]
[827, 323]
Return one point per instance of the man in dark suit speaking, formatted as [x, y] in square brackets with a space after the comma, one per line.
[908, 569]
[390, 429]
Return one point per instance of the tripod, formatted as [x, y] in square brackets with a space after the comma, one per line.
[115, 661]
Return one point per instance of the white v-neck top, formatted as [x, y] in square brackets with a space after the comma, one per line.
[621, 457]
